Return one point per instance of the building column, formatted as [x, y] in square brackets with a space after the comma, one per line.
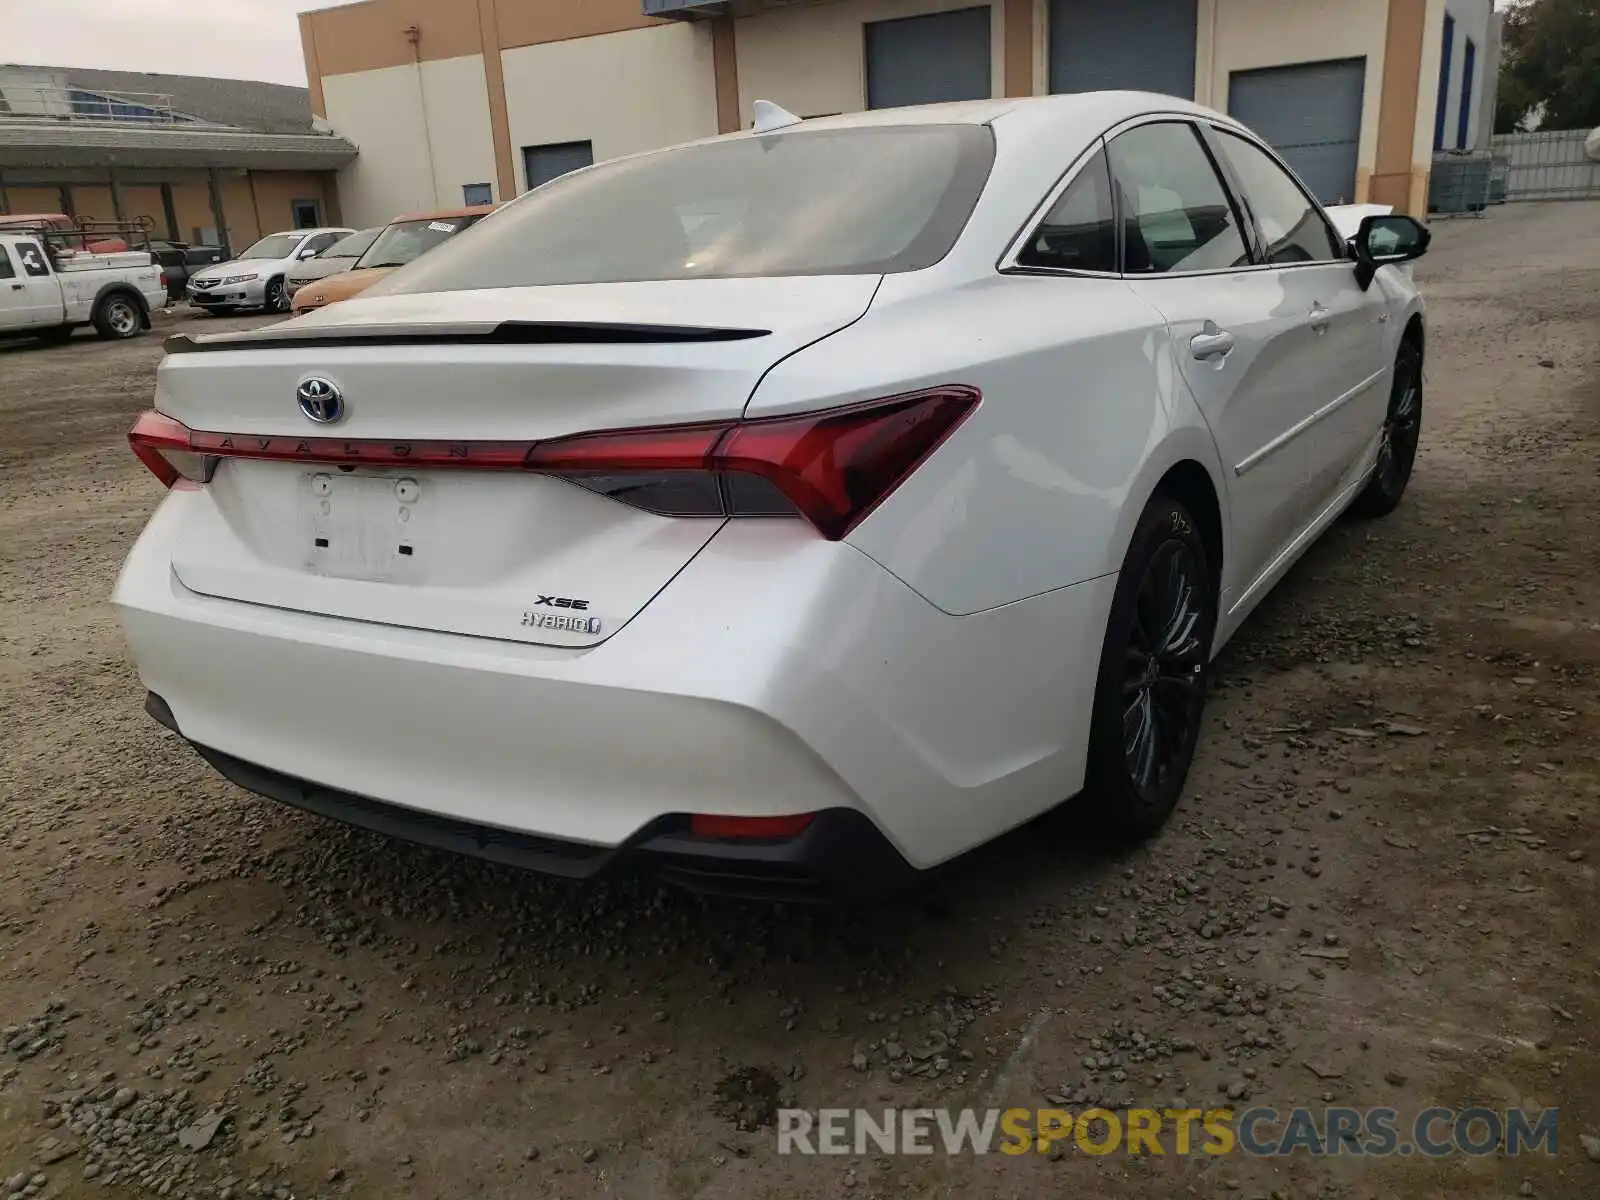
[170, 211]
[1018, 56]
[1394, 175]
[218, 217]
[725, 69]
[494, 78]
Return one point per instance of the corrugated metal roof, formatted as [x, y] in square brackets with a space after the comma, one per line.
[243, 103]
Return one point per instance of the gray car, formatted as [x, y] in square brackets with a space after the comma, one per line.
[335, 260]
[256, 279]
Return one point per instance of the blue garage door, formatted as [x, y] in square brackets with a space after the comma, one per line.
[1310, 114]
[1133, 45]
[926, 60]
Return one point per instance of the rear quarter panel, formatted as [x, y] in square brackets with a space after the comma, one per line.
[1040, 488]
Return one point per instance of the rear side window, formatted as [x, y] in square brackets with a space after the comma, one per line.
[800, 202]
[32, 260]
[1176, 215]
[1080, 232]
[1292, 226]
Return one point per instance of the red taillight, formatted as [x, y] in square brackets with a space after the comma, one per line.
[163, 445]
[832, 467]
[749, 828]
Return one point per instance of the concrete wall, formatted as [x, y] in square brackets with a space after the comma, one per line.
[412, 157]
[812, 59]
[639, 89]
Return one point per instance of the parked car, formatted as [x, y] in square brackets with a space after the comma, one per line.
[335, 260]
[47, 293]
[180, 260]
[256, 279]
[908, 495]
[403, 240]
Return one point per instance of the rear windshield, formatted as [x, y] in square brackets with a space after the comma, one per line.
[802, 202]
[353, 246]
[404, 241]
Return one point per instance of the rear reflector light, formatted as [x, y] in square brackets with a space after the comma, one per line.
[749, 828]
[832, 467]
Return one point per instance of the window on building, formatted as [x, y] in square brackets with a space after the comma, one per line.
[474, 194]
[541, 164]
[1469, 68]
[1080, 231]
[1291, 224]
[307, 214]
[1443, 103]
[1176, 215]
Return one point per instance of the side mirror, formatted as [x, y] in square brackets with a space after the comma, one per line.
[308, 252]
[1380, 241]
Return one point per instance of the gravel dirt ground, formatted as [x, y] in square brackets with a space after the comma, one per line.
[1379, 890]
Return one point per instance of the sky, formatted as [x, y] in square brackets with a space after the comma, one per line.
[229, 39]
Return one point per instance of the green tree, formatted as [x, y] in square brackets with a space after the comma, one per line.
[1550, 58]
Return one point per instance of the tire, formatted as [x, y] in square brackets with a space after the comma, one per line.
[277, 300]
[1402, 428]
[1150, 692]
[118, 316]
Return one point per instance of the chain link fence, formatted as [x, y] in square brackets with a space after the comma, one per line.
[1548, 166]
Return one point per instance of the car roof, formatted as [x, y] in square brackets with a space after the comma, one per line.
[444, 214]
[1091, 109]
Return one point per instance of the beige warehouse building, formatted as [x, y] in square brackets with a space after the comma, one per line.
[464, 101]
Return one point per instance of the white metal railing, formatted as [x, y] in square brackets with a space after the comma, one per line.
[1548, 165]
[82, 104]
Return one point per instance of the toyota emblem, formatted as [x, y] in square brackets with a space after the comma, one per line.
[320, 400]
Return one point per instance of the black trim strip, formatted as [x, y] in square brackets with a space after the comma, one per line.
[287, 336]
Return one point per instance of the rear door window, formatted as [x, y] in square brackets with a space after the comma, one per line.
[1079, 233]
[1176, 213]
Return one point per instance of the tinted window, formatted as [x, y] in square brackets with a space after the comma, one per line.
[1176, 216]
[279, 245]
[32, 260]
[406, 241]
[801, 202]
[7, 271]
[1080, 232]
[353, 246]
[1292, 226]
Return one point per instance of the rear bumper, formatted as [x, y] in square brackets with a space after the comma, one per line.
[778, 674]
[840, 854]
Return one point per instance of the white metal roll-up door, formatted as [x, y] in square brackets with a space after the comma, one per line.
[1311, 115]
[929, 59]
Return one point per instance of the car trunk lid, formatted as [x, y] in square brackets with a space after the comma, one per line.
[491, 553]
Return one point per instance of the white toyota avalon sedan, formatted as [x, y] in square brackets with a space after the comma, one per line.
[795, 509]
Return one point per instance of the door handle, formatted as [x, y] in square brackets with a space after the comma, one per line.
[16, 287]
[1320, 318]
[1211, 344]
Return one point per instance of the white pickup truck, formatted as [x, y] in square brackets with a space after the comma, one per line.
[46, 293]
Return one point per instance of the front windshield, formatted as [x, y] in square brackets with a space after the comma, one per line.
[353, 246]
[803, 202]
[404, 241]
[279, 245]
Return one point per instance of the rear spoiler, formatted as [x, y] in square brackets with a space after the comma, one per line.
[288, 335]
